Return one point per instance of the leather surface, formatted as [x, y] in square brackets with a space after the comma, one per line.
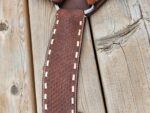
[61, 66]
[58, 1]
[75, 4]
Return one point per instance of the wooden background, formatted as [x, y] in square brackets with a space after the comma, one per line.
[115, 59]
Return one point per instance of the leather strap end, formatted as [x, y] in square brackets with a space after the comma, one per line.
[90, 2]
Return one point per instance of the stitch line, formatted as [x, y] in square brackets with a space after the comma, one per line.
[72, 100]
[46, 74]
[45, 96]
[52, 41]
[45, 106]
[54, 32]
[80, 23]
[79, 32]
[73, 77]
[73, 89]
[76, 55]
[57, 22]
[78, 43]
[49, 52]
[74, 66]
[45, 85]
[72, 111]
[47, 63]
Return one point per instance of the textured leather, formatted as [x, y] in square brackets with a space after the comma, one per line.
[62, 63]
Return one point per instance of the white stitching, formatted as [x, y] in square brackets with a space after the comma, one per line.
[75, 66]
[52, 41]
[80, 23]
[79, 32]
[73, 77]
[45, 85]
[76, 55]
[47, 63]
[72, 100]
[57, 22]
[54, 32]
[72, 111]
[78, 43]
[73, 89]
[46, 74]
[45, 106]
[49, 52]
[45, 96]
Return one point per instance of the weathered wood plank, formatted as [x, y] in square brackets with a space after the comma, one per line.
[16, 86]
[42, 16]
[122, 42]
[145, 9]
[90, 97]
[42, 19]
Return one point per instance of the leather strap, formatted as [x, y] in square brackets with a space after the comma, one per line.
[62, 63]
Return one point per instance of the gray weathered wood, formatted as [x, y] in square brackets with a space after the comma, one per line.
[42, 15]
[121, 31]
[16, 76]
[90, 97]
[121, 34]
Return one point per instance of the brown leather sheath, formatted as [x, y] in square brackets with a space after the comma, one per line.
[62, 63]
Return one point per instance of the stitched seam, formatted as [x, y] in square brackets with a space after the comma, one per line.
[76, 81]
[44, 84]
[75, 65]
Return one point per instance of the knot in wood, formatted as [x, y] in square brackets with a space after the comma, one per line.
[14, 90]
[3, 25]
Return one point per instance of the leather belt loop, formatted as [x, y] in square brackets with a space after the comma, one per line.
[60, 77]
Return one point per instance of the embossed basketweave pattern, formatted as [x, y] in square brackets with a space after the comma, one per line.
[62, 63]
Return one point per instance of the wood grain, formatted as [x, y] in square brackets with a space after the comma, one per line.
[42, 17]
[122, 41]
[90, 96]
[16, 86]
[121, 32]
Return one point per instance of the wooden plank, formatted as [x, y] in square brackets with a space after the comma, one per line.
[16, 86]
[145, 9]
[90, 96]
[42, 16]
[122, 43]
